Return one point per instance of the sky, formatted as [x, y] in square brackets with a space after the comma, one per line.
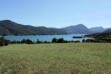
[57, 13]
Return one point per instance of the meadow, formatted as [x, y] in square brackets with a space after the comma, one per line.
[56, 58]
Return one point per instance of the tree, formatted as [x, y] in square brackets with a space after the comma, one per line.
[54, 40]
[61, 40]
[27, 41]
[3, 41]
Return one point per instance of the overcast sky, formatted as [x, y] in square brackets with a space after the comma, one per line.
[57, 13]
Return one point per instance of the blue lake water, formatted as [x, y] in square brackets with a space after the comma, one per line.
[44, 37]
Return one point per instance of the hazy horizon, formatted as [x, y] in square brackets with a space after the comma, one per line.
[57, 13]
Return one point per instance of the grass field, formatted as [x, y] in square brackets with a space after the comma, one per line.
[66, 58]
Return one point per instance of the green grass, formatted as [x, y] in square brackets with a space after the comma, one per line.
[66, 58]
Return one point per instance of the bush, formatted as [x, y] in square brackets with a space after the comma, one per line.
[3, 42]
[27, 41]
[61, 40]
[54, 40]
[14, 42]
[46, 42]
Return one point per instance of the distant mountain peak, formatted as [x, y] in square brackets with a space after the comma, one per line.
[108, 30]
[80, 25]
[6, 21]
[77, 29]
[97, 29]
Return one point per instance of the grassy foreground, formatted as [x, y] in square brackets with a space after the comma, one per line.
[67, 58]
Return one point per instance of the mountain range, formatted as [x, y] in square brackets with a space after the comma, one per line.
[8, 27]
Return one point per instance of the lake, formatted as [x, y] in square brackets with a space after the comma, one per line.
[45, 37]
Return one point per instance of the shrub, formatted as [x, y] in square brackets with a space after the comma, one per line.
[27, 41]
[61, 40]
[54, 40]
[3, 41]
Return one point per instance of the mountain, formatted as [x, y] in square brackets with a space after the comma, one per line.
[97, 30]
[77, 29]
[107, 30]
[8, 27]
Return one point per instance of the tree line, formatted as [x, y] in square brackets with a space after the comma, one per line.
[4, 42]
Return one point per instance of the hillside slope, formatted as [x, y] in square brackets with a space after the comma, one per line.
[97, 30]
[77, 29]
[8, 27]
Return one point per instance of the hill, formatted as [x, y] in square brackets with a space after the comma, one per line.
[101, 37]
[97, 30]
[77, 29]
[107, 30]
[8, 27]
